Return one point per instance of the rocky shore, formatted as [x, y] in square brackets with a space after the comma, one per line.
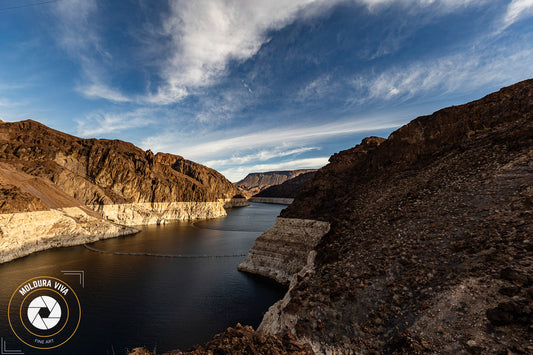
[131, 214]
[236, 202]
[27, 232]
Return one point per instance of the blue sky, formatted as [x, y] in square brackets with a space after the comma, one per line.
[245, 86]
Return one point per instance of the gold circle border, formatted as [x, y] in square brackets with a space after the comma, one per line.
[9, 307]
[44, 336]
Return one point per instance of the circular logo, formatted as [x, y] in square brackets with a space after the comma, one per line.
[44, 312]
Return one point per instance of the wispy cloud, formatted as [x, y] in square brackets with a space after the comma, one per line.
[99, 123]
[237, 173]
[457, 73]
[289, 137]
[316, 88]
[206, 35]
[96, 90]
[263, 155]
[5, 102]
[76, 32]
[517, 10]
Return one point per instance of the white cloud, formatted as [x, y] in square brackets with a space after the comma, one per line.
[5, 102]
[518, 10]
[239, 140]
[262, 155]
[101, 91]
[98, 123]
[207, 34]
[236, 174]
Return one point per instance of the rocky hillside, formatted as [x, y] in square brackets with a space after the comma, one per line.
[289, 188]
[101, 171]
[430, 245]
[256, 182]
[43, 170]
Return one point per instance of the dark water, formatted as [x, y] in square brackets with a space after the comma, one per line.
[159, 303]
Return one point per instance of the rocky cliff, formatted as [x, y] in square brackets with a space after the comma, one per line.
[282, 251]
[430, 248]
[106, 181]
[256, 182]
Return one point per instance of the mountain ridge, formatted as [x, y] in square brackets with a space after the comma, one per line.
[254, 183]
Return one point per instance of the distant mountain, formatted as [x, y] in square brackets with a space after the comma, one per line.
[102, 180]
[256, 182]
[289, 188]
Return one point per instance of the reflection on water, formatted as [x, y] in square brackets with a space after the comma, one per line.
[162, 303]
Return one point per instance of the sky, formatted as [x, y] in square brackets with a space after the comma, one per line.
[252, 85]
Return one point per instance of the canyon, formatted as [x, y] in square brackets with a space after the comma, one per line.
[418, 243]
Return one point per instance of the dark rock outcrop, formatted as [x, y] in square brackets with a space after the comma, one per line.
[243, 340]
[289, 188]
[256, 182]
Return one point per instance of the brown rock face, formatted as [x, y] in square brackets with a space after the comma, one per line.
[99, 171]
[425, 227]
[256, 182]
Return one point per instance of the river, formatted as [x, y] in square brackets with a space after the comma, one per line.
[160, 303]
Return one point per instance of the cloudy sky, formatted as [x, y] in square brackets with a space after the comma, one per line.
[253, 85]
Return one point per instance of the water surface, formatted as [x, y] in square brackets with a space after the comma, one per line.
[159, 303]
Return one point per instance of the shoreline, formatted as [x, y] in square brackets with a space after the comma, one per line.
[25, 233]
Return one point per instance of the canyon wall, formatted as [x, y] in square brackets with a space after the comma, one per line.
[429, 247]
[282, 250]
[83, 185]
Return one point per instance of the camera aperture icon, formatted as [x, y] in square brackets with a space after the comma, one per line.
[44, 312]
